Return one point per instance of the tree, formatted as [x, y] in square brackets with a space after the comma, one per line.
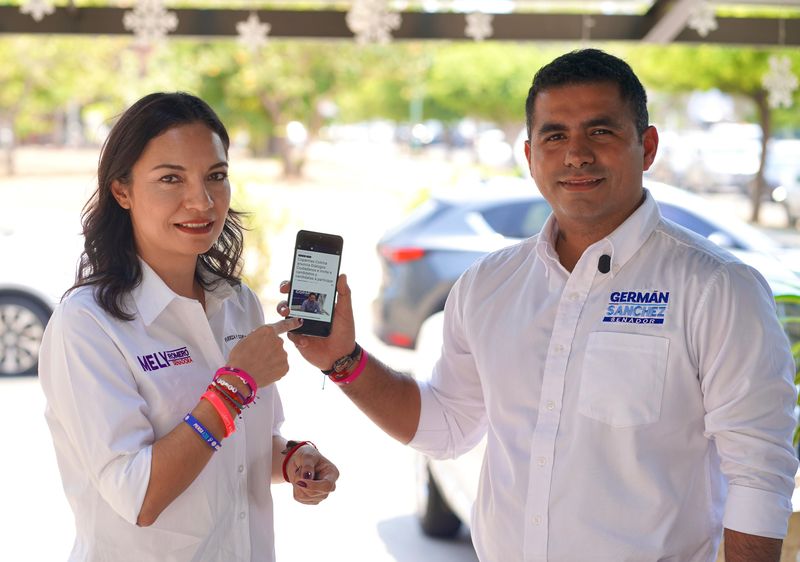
[734, 70]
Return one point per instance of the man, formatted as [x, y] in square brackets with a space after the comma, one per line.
[310, 304]
[639, 400]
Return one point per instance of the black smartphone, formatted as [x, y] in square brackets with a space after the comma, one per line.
[313, 283]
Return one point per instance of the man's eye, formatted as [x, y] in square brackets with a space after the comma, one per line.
[555, 137]
[601, 132]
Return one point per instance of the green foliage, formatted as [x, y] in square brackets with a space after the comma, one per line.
[788, 307]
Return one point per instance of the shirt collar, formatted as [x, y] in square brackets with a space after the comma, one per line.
[151, 296]
[621, 244]
[626, 240]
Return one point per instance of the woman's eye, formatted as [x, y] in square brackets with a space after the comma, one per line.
[218, 176]
[169, 179]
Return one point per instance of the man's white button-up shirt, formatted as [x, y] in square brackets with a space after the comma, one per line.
[114, 387]
[630, 414]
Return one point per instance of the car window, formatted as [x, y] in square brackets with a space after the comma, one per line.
[519, 219]
[686, 219]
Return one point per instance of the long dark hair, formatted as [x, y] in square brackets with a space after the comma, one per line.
[109, 262]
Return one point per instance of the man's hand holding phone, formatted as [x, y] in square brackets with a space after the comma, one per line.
[322, 352]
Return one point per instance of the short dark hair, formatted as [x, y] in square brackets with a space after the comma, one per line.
[587, 66]
[109, 261]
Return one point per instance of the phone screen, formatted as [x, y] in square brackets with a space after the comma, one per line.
[313, 287]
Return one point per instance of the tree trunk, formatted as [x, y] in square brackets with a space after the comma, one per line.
[759, 186]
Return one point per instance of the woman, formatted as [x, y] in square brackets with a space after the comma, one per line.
[152, 363]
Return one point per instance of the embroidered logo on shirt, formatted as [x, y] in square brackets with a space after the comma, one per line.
[161, 359]
[234, 337]
[635, 307]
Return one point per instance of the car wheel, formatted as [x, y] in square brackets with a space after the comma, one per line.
[435, 516]
[22, 323]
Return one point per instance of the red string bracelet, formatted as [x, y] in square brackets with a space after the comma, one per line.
[291, 448]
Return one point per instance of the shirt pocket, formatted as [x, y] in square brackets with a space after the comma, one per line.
[622, 380]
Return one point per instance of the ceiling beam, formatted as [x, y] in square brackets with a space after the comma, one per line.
[330, 24]
[666, 19]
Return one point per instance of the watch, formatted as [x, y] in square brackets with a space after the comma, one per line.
[344, 364]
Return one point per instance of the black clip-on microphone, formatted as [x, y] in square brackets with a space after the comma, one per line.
[604, 263]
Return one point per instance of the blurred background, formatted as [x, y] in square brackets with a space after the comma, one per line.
[360, 113]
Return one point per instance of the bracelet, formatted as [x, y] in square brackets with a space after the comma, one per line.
[234, 392]
[222, 393]
[291, 448]
[348, 378]
[243, 376]
[198, 427]
[222, 410]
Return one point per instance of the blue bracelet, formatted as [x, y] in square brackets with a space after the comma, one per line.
[202, 431]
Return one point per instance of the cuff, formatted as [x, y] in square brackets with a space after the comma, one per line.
[757, 512]
[432, 436]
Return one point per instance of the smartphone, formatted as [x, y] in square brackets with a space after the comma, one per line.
[312, 292]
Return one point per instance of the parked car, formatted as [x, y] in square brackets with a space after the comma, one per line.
[38, 264]
[424, 256]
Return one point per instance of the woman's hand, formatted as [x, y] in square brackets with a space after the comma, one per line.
[261, 353]
[311, 475]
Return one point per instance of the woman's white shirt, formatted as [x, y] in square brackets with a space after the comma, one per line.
[114, 387]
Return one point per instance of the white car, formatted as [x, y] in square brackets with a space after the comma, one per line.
[447, 488]
[38, 259]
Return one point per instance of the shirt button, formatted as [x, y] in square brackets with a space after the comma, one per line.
[541, 461]
[559, 348]
[242, 515]
[551, 405]
[241, 468]
[573, 296]
[537, 520]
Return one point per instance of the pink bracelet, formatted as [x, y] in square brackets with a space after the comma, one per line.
[243, 376]
[356, 372]
[222, 410]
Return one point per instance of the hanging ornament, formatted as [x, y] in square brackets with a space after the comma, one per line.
[38, 9]
[479, 26]
[702, 18]
[150, 22]
[253, 32]
[780, 82]
[371, 21]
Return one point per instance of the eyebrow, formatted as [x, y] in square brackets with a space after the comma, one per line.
[602, 121]
[180, 168]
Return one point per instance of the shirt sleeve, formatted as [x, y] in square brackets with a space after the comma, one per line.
[453, 415]
[93, 396]
[747, 379]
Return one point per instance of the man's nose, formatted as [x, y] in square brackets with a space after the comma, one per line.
[578, 154]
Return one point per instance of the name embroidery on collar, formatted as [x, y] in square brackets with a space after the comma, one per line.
[162, 359]
[634, 307]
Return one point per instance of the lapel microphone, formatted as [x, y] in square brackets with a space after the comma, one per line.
[604, 263]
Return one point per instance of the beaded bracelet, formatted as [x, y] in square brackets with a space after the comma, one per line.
[198, 427]
[291, 448]
[222, 410]
[234, 391]
[226, 397]
[243, 376]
